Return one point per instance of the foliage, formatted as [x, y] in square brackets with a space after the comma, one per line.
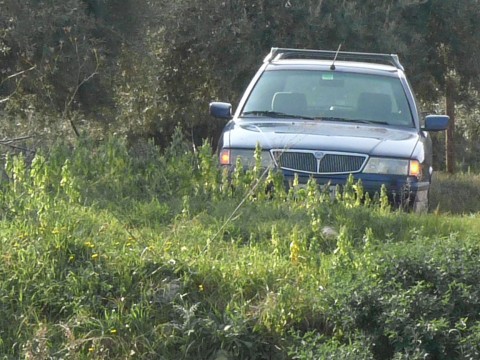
[456, 194]
[127, 254]
[115, 247]
[139, 68]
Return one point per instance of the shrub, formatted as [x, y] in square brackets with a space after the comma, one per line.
[122, 255]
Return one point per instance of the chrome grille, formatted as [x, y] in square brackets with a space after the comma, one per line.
[316, 162]
[334, 163]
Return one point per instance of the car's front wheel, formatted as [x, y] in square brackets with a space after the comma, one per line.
[421, 202]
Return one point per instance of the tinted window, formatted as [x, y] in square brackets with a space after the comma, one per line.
[350, 96]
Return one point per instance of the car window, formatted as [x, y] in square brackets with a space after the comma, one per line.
[326, 94]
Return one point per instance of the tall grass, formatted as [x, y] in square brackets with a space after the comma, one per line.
[109, 252]
[455, 194]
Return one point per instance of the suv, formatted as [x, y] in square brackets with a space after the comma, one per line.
[326, 115]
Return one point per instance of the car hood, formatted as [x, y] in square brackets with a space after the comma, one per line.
[321, 135]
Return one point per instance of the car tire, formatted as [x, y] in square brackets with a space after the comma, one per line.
[421, 202]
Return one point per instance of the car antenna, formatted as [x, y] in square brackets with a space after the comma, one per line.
[332, 67]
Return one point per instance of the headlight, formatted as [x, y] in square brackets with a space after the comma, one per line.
[229, 157]
[393, 167]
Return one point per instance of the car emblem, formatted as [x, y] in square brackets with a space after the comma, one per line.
[318, 155]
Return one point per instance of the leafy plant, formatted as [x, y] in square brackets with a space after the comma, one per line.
[122, 255]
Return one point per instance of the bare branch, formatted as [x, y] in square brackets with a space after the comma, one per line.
[413, 2]
[19, 73]
[11, 77]
[9, 143]
[20, 138]
[6, 99]
[70, 100]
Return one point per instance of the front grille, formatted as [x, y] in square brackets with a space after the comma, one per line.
[316, 162]
[305, 162]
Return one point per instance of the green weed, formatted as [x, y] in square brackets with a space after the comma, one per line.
[110, 254]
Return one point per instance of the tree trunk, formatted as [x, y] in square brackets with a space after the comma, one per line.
[450, 141]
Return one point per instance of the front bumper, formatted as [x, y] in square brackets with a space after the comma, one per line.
[401, 190]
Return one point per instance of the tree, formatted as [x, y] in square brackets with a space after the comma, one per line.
[72, 47]
[143, 66]
[55, 41]
[446, 46]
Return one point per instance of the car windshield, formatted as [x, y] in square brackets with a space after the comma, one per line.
[330, 96]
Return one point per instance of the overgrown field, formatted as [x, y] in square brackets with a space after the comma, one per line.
[116, 253]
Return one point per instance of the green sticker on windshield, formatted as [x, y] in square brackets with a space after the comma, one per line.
[327, 76]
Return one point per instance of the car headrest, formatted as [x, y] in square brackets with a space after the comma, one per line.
[289, 103]
[374, 106]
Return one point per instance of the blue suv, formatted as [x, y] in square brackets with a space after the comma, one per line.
[326, 115]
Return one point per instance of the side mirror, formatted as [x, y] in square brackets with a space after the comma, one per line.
[221, 110]
[436, 122]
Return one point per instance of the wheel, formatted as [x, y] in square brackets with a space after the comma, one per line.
[421, 202]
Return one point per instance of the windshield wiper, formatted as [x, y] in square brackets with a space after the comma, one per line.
[358, 121]
[331, 118]
[275, 114]
[371, 122]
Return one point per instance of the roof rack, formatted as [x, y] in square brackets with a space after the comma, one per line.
[285, 53]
